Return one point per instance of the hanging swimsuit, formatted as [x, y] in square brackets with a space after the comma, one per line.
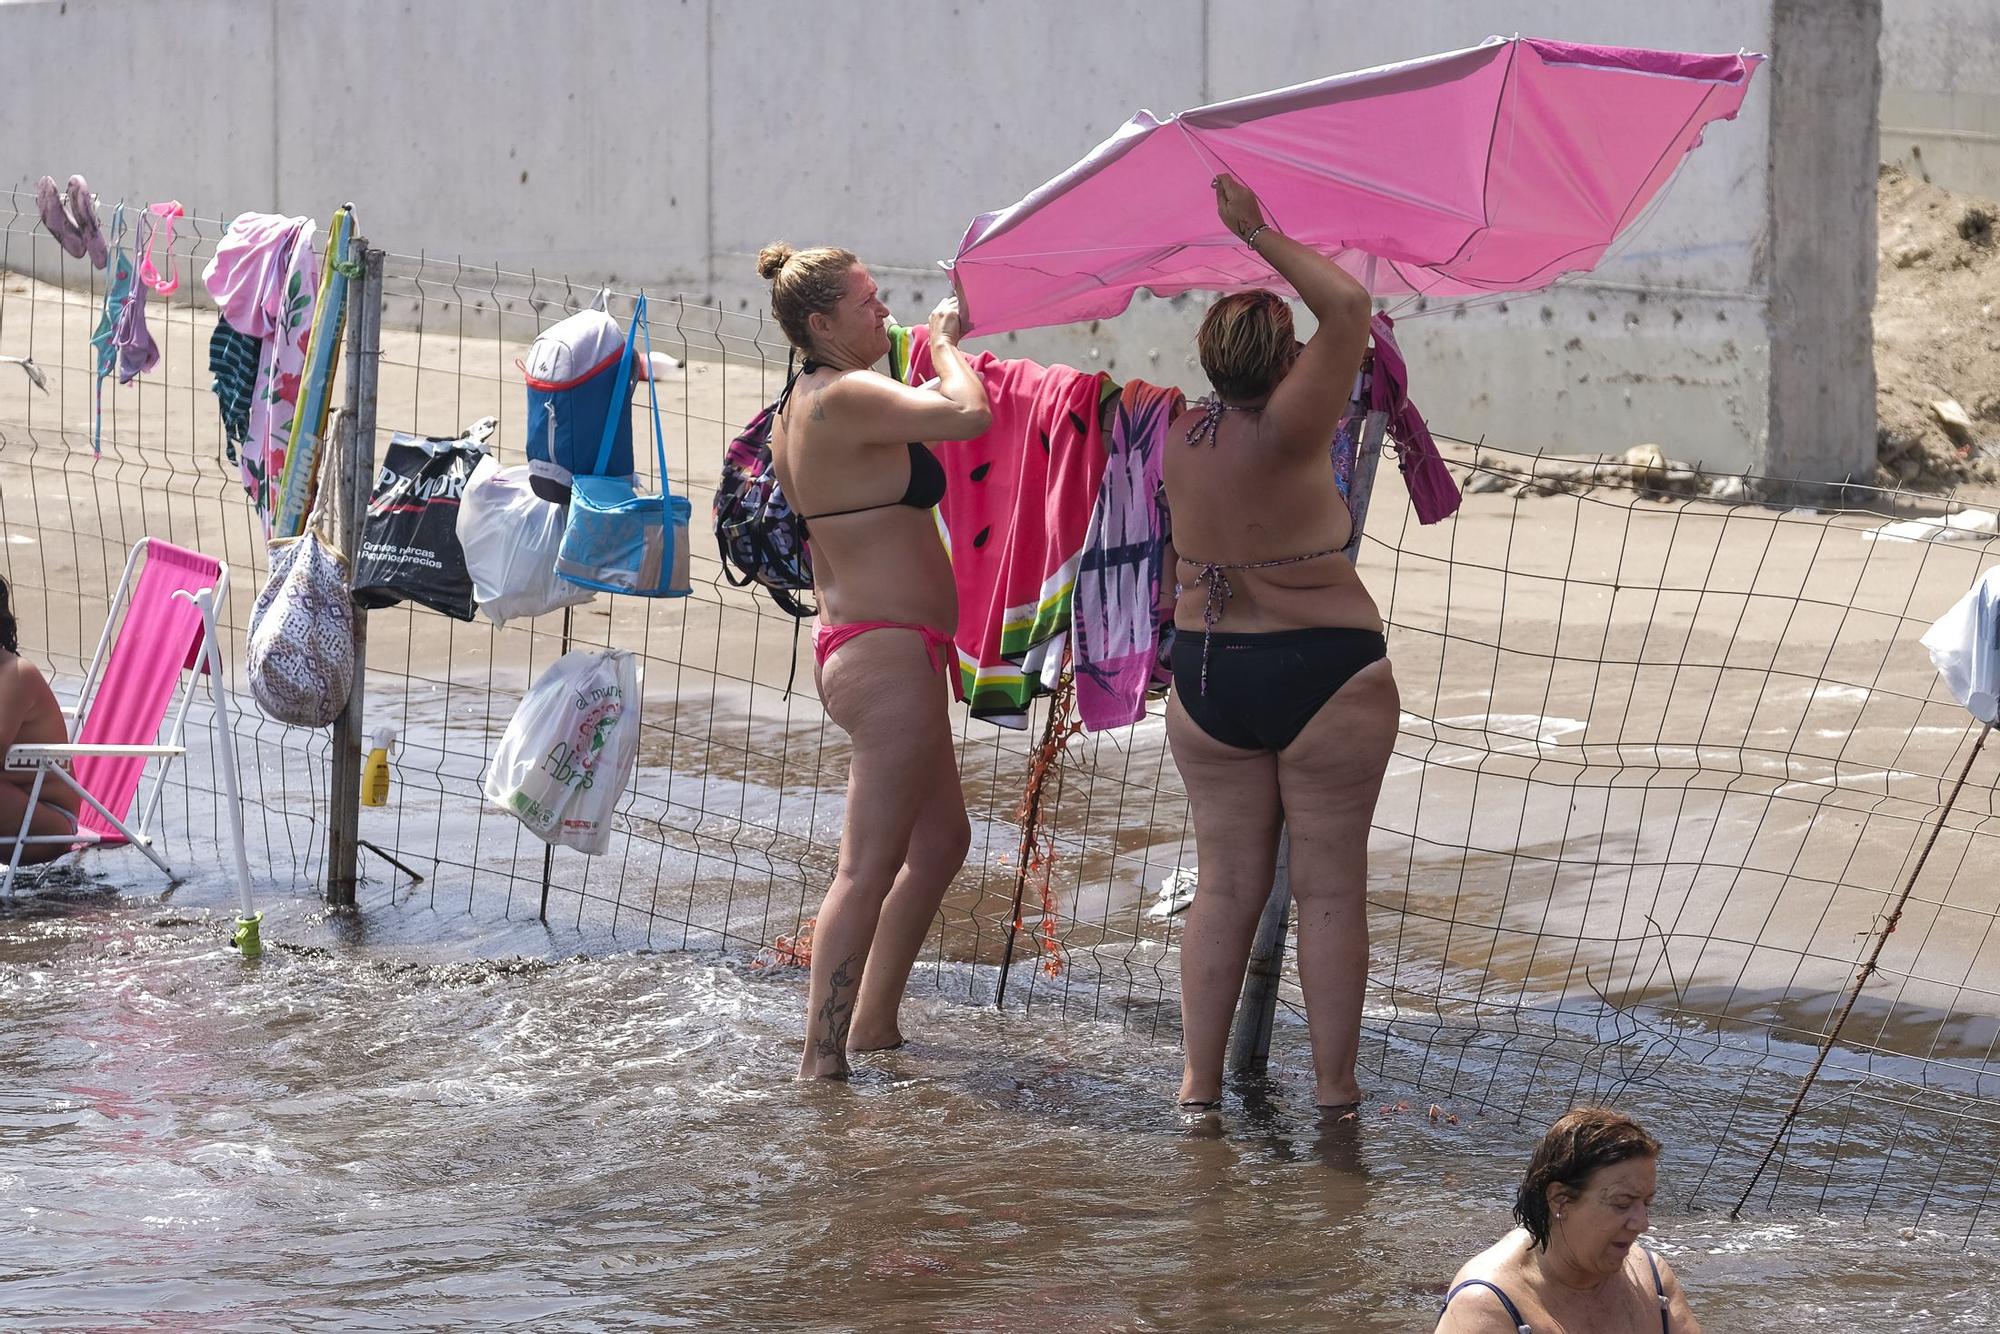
[149, 275]
[923, 491]
[1266, 686]
[104, 342]
[137, 353]
[1514, 1312]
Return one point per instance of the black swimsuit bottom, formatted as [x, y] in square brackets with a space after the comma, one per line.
[1264, 688]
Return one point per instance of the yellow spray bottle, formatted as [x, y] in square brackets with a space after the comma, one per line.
[375, 770]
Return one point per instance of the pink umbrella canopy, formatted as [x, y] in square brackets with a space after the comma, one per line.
[1494, 169]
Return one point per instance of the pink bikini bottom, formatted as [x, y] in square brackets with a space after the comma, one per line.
[827, 640]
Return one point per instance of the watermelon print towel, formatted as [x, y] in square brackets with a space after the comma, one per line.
[1015, 513]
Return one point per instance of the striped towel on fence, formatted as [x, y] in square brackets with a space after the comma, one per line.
[232, 359]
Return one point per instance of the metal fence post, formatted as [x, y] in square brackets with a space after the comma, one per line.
[1257, 1009]
[356, 443]
[549, 849]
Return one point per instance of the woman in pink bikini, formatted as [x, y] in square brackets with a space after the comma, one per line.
[887, 607]
[1284, 707]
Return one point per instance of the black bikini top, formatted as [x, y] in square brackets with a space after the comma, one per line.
[926, 485]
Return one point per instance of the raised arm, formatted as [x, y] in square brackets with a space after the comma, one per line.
[1308, 404]
[955, 409]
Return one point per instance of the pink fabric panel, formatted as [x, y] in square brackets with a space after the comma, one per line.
[1681, 64]
[159, 637]
[1434, 491]
[1494, 169]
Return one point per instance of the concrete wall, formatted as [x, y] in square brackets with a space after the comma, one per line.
[1822, 239]
[663, 141]
[1941, 91]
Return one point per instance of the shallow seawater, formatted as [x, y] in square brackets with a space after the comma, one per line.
[384, 1131]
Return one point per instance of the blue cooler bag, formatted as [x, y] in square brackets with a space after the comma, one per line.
[617, 539]
[574, 389]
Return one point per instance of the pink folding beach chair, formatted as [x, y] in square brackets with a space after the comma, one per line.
[150, 667]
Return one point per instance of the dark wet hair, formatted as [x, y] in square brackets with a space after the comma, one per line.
[10, 633]
[1585, 1139]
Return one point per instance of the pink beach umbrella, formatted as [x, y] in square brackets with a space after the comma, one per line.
[1494, 169]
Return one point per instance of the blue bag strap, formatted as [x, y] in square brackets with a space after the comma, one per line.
[653, 395]
[618, 392]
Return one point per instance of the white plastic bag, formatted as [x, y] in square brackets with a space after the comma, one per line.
[511, 536]
[568, 753]
[1965, 647]
[593, 811]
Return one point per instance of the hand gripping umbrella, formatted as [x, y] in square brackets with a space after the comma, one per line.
[1494, 169]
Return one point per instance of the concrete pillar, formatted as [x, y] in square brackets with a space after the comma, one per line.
[1826, 80]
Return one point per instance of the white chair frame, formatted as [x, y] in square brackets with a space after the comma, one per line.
[52, 760]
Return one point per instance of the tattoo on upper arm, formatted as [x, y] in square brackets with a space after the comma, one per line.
[836, 1012]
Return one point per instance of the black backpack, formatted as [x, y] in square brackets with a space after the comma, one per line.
[763, 540]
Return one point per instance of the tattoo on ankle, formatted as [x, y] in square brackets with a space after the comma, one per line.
[836, 1013]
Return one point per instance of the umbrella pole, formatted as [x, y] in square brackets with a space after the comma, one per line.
[1250, 1034]
[1861, 977]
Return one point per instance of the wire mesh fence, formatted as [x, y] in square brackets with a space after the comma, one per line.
[1663, 768]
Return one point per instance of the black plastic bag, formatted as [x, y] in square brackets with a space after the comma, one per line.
[409, 545]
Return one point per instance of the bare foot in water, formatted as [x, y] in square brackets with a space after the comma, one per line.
[1203, 1120]
[818, 1065]
[1339, 1097]
[1192, 1095]
[887, 1039]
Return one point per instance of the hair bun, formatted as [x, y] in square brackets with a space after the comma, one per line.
[771, 259]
